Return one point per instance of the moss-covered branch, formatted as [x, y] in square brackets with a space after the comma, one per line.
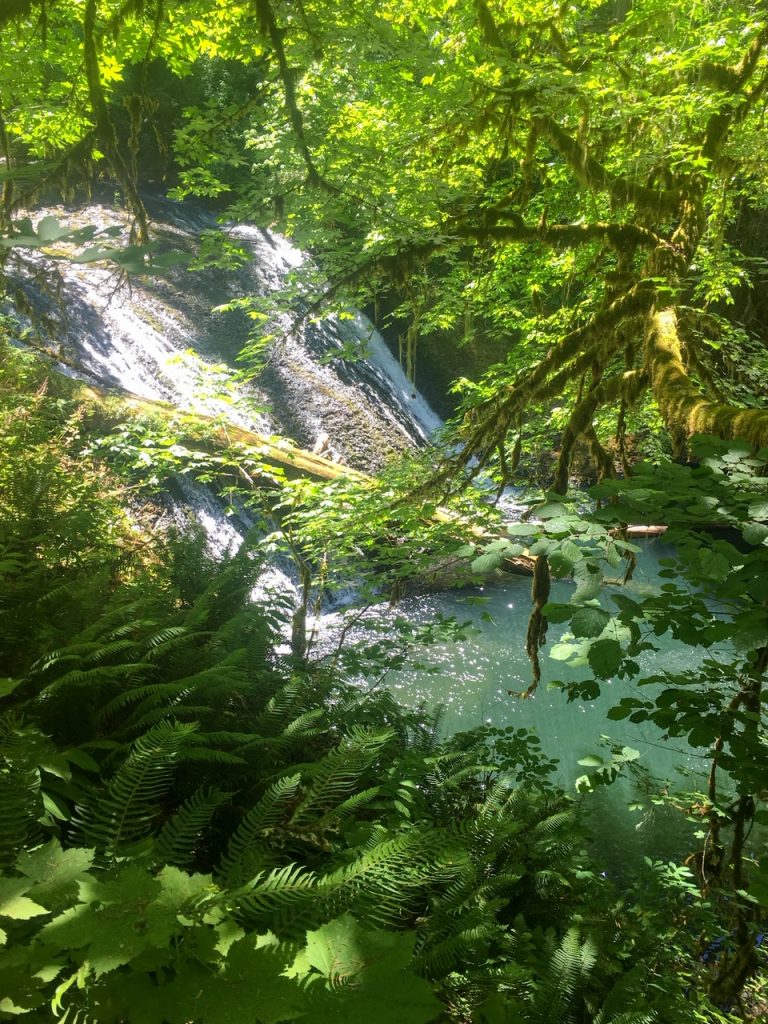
[105, 129]
[681, 403]
[626, 386]
[269, 26]
[295, 461]
[7, 200]
[592, 175]
[620, 236]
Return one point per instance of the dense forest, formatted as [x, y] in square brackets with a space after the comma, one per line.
[216, 806]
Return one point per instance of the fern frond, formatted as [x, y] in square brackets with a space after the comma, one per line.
[454, 950]
[20, 801]
[557, 995]
[155, 693]
[546, 882]
[221, 737]
[128, 809]
[335, 776]
[552, 825]
[129, 628]
[95, 676]
[383, 882]
[305, 724]
[272, 897]
[271, 810]
[625, 1003]
[169, 639]
[348, 806]
[176, 842]
[209, 755]
[108, 650]
[286, 702]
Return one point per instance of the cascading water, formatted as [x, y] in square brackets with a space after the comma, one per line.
[159, 338]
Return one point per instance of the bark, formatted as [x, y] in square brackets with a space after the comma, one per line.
[270, 27]
[626, 386]
[592, 175]
[681, 403]
[620, 236]
[105, 129]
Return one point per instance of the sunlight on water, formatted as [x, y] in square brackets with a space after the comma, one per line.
[473, 677]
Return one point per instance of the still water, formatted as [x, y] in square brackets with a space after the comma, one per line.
[474, 677]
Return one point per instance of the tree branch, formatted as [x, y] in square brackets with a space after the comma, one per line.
[269, 26]
[626, 385]
[105, 129]
[620, 236]
[594, 176]
[681, 403]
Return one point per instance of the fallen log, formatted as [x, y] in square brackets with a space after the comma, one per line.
[294, 461]
[282, 452]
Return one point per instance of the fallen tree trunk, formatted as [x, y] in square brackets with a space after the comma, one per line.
[294, 460]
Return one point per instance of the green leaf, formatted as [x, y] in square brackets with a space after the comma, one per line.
[371, 970]
[758, 509]
[53, 869]
[13, 902]
[124, 917]
[8, 686]
[755, 533]
[49, 230]
[629, 754]
[571, 551]
[487, 563]
[250, 988]
[523, 529]
[588, 587]
[616, 714]
[589, 622]
[557, 612]
[604, 658]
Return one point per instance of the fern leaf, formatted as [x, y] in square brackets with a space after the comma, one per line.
[127, 811]
[210, 756]
[555, 998]
[176, 842]
[336, 775]
[305, 723]
[20, 800]
[271, 810]
[273, 897]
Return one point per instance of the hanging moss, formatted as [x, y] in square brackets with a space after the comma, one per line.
[537, 623]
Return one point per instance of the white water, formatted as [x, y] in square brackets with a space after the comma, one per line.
[158, 338]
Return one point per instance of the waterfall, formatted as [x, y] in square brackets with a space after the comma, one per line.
[158, 338]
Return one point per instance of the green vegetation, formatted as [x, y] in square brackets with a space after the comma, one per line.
[208, 816]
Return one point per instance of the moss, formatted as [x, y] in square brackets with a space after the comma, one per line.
[681, 403]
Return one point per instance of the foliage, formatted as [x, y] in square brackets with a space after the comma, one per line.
[712, 601]
[566, 182]
[213, 828]
[200, 827]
